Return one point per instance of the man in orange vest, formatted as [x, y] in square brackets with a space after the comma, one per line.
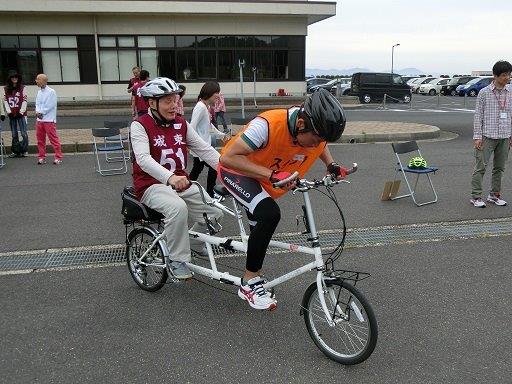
[269, 149]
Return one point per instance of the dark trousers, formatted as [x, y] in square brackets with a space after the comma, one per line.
[211, 179]
[264, 222]
[23, 143]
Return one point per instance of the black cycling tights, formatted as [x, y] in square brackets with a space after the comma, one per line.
[266, 215]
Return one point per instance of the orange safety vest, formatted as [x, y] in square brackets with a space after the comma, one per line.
[280, 153]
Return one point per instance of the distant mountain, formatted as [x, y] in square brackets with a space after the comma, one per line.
[410, 72]
[334, 72]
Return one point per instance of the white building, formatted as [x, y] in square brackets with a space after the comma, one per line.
[88, 47]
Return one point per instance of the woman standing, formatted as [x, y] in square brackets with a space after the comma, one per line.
[201, 121]
[15, 102]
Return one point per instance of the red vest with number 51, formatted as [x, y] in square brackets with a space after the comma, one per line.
[167, 145]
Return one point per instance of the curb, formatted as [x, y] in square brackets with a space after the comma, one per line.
[346, 139]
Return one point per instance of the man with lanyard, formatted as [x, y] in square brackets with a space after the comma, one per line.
[160, 141]
[492, 131]
[271, 148]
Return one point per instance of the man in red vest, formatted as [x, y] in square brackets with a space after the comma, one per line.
[160, 141]
[139, 103]
[271, 148]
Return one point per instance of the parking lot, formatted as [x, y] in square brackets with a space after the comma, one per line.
[442, 305]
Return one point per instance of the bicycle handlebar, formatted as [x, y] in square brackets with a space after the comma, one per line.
[289, 179]
[304, 185]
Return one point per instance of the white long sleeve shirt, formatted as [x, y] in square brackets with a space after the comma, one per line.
[140, 146]
[201, 122]
[46, 104]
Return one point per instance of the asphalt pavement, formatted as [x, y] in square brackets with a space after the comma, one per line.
[443, 307]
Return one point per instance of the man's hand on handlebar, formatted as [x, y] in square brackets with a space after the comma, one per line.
[337, 171]
[278, 177]
[178, 183]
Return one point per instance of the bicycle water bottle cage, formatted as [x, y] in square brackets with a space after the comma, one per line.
[304, 222]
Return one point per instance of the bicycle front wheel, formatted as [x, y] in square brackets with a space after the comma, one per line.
[149, 273]
[353, 336]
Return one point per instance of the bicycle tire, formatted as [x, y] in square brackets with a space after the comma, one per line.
[149, 278]
[348, 329]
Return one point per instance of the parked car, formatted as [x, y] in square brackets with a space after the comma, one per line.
[370, 86]
[344, 85]
[450, 89]
[407, 78]
[471, 88]
[433, 87]
[415, 87]
[313, 82]
[329, 85]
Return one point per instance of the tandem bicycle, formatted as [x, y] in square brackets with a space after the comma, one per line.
[338, 317]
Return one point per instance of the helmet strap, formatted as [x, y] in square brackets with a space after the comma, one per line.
[292, 123]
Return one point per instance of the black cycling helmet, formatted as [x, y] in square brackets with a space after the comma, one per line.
[326, 115]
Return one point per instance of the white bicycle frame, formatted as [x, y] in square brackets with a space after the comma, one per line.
[241, 246]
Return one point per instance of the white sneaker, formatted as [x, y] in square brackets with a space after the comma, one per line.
[477, 202]
[256, 295]
[494, 197]
[180, 270]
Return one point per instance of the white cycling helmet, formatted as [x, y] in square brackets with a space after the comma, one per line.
[158, 87]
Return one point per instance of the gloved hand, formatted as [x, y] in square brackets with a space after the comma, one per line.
[19, 115]
[337, 170]
[2, 117]
[11, 115]
[280, 176]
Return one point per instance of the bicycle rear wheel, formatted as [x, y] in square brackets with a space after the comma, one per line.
[353, 337]
[152, 275]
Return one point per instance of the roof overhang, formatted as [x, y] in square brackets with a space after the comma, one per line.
[313, 11]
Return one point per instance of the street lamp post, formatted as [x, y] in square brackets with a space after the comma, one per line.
[392, 55]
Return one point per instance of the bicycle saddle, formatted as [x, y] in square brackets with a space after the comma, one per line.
[134, 210]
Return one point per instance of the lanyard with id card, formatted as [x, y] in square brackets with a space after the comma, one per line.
[503, 112]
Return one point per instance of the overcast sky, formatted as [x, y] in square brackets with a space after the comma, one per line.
[444, 36]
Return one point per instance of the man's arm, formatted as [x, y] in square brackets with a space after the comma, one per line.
[326, 156]
[478, 121]
[235, 158]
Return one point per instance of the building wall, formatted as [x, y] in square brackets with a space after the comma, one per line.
[118, 91]
[108, 22]
[22, 24]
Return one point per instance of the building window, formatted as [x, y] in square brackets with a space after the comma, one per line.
[186, 61]
[65, 59]
[59, 56]
[206, 65]
[117, 57]
[191, 58]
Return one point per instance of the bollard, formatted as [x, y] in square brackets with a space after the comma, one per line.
[438, 101]
[384, 102]
[465, 100]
